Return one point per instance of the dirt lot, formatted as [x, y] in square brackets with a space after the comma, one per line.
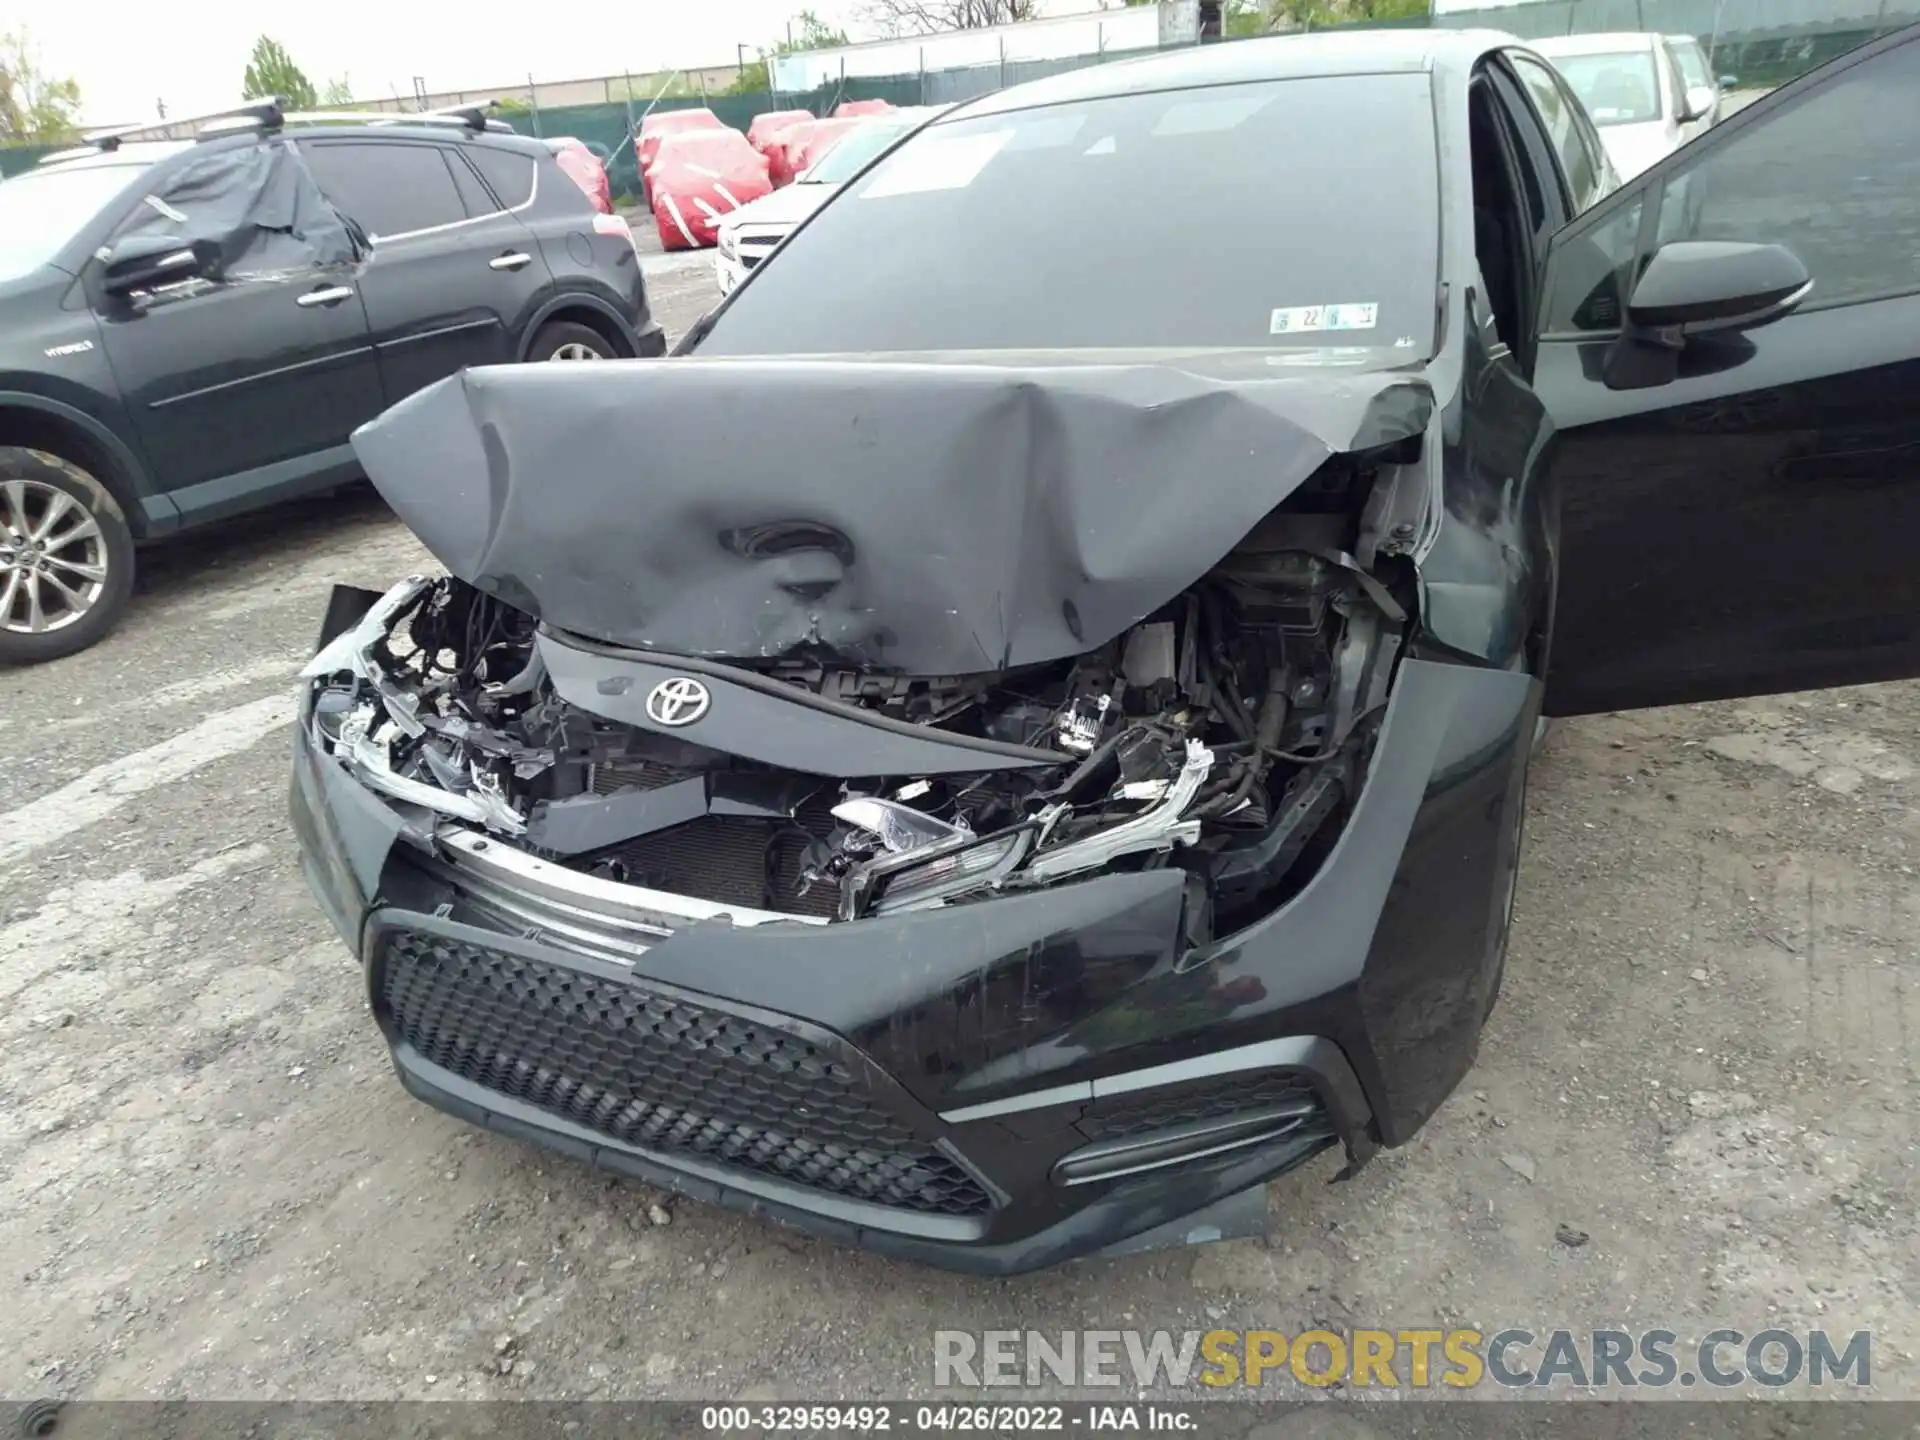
[211, 1186]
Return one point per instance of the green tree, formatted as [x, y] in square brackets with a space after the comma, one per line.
[271, 71]
[34, 107]
[1260, 17]
[932, 17]
[807, 32]
[810, 32]
[338, 94]
[752, 79]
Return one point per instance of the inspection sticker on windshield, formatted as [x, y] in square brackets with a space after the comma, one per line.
[1309, 319]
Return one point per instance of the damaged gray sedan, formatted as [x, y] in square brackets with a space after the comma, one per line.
[993, 761]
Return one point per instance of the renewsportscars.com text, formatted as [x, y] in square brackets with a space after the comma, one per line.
[1403, 1359]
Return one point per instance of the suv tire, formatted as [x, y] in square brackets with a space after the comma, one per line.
[568, 340]
[81, 581]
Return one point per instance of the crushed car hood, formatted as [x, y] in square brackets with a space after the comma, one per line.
[927, 519]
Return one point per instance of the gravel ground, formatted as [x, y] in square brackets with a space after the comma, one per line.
[211, 1186]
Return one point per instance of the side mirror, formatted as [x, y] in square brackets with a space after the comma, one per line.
[1700, 286]
[144, 262]
[1700, 102]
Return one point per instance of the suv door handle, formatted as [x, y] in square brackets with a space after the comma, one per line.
[332, 295]
[511, 261]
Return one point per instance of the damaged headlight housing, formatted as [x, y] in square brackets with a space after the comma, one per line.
[934, 874]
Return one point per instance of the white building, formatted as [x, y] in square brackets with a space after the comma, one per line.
[1096, 32]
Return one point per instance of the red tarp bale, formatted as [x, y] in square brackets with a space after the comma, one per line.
[583, 167]
[767, 126]
[783, 146]
[821, 137]
[662, 123]
[697, 178]
[861, 107]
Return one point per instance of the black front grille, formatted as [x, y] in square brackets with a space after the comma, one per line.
[1125, 1115]
[618, 775]
[661, 1074]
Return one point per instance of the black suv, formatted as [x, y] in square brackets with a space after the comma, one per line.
[192, 329]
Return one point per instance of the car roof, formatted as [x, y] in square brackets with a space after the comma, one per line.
[1610, 42]
[90, 157]
[1279, 57]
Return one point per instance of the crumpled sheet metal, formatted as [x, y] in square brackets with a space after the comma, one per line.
[928, 519]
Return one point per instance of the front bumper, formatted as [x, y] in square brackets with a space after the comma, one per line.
[991, 1087]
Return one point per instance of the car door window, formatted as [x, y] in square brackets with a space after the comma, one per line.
[509, 175]
[472, 193]
[252, 211]
[1832, 174]
[1693, 64]
[392, 188]
[1835, 178]
[1502, 219]
[1561, 114]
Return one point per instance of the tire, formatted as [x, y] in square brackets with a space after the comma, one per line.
[58, 599]
[566, 340]
[38, 1419]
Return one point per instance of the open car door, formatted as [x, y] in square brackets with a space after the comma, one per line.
[1730, 351]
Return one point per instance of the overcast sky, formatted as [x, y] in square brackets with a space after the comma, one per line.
[193, 56]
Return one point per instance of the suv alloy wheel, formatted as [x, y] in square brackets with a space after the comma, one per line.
[66, 557]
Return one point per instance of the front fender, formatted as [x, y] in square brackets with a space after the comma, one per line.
[148, 512]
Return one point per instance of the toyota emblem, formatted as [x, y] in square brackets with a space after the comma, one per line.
[679, 701]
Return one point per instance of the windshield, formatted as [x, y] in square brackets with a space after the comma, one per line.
[43, 209]
[1693, 64]
[848, 158]
[1619, 88]
[1193, 220]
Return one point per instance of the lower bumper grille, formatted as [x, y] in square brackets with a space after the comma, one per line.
[1127, 1116]
[658, 1073]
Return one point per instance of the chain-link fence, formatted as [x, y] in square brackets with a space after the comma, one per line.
[1757, 42]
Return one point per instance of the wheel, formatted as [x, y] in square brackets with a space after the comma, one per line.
[565, 340]
[38, 1419]
[66, 558]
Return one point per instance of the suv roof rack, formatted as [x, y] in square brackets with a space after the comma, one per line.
[105, 142]
[467, 117]
[270, 116]
[476, 116]
[255, 115]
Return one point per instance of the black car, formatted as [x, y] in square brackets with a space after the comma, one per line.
[1008, 747]
[192, 329]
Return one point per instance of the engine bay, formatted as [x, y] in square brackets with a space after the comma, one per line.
[1224, 734]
